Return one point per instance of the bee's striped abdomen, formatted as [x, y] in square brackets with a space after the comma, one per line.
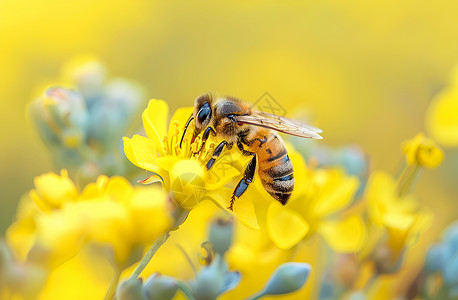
[275, 168]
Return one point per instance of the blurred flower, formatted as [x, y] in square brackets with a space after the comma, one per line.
[401, 219]
[110, 213]
[441, 119]
[422, 151]
[442, 261]
[319, 196]
[83, 128]
[52, 191]
[181, 170]
[351, 157]
[23, 279]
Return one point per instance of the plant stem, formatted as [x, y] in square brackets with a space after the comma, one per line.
[410, 181]
[113, 284]
[149, 255]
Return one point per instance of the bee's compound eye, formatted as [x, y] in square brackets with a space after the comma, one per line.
[204, 113]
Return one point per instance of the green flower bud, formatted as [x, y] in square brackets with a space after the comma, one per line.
[131, 290]
[287, 278]
[158, 287]
[437, 257]
[221, 235]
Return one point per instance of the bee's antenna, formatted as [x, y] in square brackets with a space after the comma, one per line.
[185, 128]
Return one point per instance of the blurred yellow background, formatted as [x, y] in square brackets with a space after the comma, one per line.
[365, 71]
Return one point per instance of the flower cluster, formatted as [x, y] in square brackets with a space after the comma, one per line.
[442, 262]
[347, 232]
[83, 125]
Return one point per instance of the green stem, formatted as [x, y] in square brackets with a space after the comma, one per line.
[186, 290]
[149, 255]
[410, 181]
[256, 296]
[113, 284]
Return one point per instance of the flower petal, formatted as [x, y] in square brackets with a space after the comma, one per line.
[285, 226]
[155, 122]
[338, 197]
[344, 236]
[141, 151]
[300, 172]
[181, 115]
[441, 119]
[243, 207]
[219, 175]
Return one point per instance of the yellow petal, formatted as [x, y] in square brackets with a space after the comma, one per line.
[220, 175]
[94, 190]
[181, 115]
[344, 236]
[141, 151]
[119, 189]
[243, 208]
[300, 173]
[337, 196]
[151, 179]
[285, 226]
[441, 118]
[155, 122]
[54, 190]
[149, 216]
[423, 151]
[187, 179]
[398, 220]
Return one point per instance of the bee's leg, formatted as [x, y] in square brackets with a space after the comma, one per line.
[217, 153]
[244, 152]
[205, 137]
[245, 181]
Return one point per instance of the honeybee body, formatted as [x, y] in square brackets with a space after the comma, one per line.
[274, 165]
[255, 134]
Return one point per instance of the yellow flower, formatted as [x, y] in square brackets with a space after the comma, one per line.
[441, 118]
[182, 172]
[109, 212]
[319, 196]
[400, 218]
[52, 191]
[422, 151]
[124, 217]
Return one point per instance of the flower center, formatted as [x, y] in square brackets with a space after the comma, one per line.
[187, 150]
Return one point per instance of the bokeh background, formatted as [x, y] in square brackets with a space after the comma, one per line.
[364, 72]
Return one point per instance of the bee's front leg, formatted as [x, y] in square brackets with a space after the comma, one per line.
[205, 137]
[217, 152]
[245, 181]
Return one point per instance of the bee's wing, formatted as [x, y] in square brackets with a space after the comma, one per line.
[286, 120]
[280, 124]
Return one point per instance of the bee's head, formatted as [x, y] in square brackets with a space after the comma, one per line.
[202, 112]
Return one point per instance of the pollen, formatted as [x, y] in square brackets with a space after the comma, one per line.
[188, 150]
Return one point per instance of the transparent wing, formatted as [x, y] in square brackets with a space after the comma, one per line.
[280, 124]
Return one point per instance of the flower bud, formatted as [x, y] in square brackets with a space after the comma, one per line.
[357, 296]
[437, 257]
[451, 237]
[89, 76]
[53, 190]
[423, 151]
[207, 284]
[158, 287]
[221, 235]
[131, 290]
[61, 117]
[287, 278]
[450, 272]
[111, 115]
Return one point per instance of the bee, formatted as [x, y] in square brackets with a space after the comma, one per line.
[255, 133]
